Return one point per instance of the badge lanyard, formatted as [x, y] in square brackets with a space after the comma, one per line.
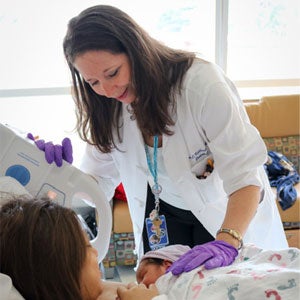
[155, 224]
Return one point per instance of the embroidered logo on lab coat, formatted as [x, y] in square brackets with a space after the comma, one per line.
[199, 154]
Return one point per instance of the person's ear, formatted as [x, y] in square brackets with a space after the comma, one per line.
[167, 264]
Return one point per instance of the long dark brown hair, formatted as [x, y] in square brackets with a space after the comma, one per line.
[156, 70]
[42, 248]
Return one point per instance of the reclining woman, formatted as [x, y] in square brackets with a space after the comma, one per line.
[46, 253]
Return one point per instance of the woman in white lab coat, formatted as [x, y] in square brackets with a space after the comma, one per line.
[172, 128]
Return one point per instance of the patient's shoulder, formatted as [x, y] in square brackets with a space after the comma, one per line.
[8, 291]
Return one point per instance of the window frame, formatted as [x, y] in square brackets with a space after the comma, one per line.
[221, 51]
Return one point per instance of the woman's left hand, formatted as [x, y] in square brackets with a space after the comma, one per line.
[137, 292]
[212, 254]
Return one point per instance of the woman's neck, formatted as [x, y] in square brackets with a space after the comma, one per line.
[149, 140]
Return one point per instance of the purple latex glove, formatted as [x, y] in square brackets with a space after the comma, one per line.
[55, 153]
[212, 254]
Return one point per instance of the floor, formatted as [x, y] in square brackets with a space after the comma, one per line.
[125, 274]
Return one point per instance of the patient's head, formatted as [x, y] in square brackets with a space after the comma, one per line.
[155, 263]
[45, 251]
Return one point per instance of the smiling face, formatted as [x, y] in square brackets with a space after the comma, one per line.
[108, 74]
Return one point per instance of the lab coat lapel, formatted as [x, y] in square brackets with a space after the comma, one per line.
[133, 169]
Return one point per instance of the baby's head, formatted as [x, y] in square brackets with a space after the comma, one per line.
[155, 263]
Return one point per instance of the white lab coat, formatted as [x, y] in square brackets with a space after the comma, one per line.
[210, 122]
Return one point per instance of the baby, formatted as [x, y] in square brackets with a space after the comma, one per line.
[255, 274]
[155, 263]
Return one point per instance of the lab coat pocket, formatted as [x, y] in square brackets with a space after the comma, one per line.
[208, 191]
[210, 188]
[205, 198]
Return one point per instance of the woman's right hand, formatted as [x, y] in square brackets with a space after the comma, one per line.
[137, 292]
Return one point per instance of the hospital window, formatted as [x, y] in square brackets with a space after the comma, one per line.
[255, 42]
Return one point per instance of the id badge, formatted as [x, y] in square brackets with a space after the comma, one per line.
[157, 232]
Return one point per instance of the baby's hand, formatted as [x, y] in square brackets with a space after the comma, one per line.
[137, 292]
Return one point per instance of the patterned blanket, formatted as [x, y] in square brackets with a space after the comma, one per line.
[255, 274]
